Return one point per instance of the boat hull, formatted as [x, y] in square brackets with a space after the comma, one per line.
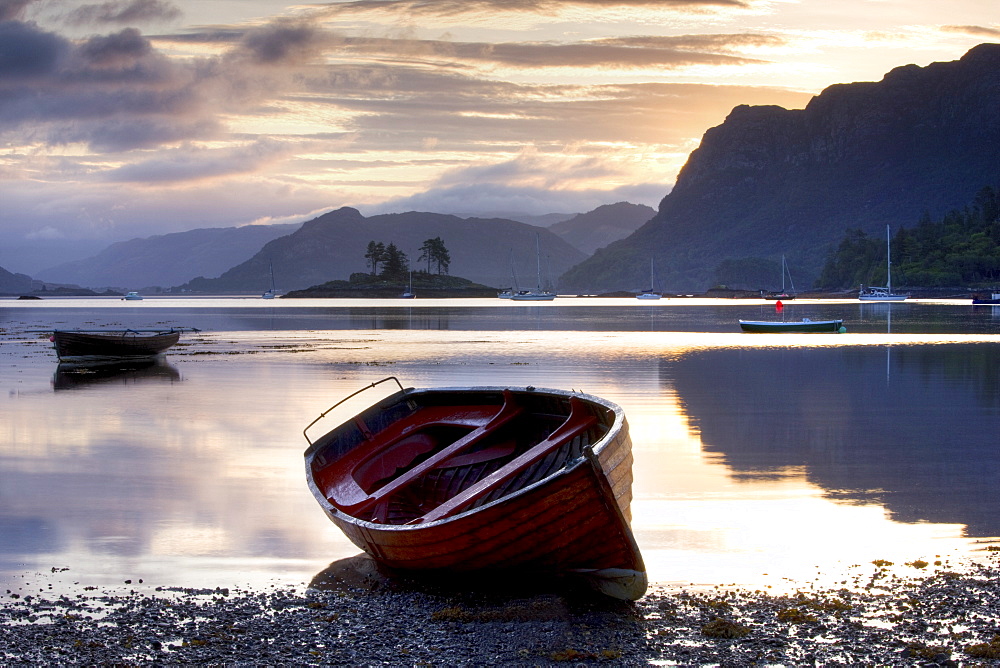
[571, 520]
[92, 347]
[879, 297]
[804, 326]
[532, 296]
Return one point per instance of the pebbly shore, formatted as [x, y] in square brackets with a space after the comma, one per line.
[352, 616]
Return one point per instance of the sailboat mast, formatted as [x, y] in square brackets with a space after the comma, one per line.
[888, 262]
[538, 261]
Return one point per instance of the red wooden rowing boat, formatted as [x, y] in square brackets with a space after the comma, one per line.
[521, 480]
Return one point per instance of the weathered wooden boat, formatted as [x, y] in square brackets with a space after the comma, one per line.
[804, 325]
[79, 345]
[485, 480]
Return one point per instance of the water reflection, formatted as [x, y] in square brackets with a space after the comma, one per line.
[754, 454]
[566, 314]
[70, 376]
[913, 428]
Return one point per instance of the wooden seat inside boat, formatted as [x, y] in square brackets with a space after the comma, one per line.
[402, 474]
[432, 437]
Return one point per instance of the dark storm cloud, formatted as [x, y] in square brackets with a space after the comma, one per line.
[125, 12]
[27, 52]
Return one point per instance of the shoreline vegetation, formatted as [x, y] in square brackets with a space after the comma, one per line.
[351, 614]
[424, 285]
[344, 290]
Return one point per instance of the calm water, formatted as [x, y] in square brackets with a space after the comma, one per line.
[759, 459]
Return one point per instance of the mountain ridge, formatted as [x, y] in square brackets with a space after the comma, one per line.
[166, 259]
[333, 246]
[770, 181]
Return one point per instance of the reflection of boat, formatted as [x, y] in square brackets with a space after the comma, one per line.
[485, 479]
[651, 292]
[878, 294]
[95, 345]
[71, 376]
[538, 294]
[982, 300]
[804, 325]
[132, 296]
[783, 295]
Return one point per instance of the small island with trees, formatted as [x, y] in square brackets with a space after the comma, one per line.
[390, 276]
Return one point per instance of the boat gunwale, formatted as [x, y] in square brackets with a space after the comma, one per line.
[614, 427]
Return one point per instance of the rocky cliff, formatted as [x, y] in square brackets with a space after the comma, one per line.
[772, 181]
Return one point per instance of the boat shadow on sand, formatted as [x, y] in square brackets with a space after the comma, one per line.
[361, 573]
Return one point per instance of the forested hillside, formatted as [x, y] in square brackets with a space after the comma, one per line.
[962, 249]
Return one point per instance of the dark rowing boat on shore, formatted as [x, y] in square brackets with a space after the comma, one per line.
[485, 479]
[78, 345]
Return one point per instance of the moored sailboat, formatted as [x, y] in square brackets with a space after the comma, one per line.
[882, 294]
[651, 293]
[272, 293]
[538, 294]
[783, 295]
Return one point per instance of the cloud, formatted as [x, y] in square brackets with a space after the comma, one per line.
[45, 233]
[183, 165]
[282, 42]
[116, 92]
[635, 53]
[532, 182]
[984, 31]
[456, 7]
[125, 12]
[498, 200]
[11, 10]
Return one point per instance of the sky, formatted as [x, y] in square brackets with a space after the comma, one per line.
[127, 118]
